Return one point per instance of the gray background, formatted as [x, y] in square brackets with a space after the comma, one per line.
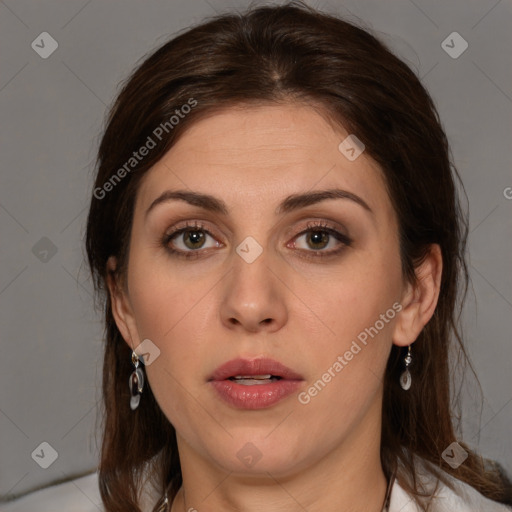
[52, 112]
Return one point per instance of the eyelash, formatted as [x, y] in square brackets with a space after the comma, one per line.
[311, 226]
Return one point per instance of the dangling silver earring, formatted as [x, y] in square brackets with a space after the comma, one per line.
[136, 382]
[405, 378]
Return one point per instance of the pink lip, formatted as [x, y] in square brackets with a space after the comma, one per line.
[261, 366]
[258, 396]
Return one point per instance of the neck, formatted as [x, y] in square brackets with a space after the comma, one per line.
[348, 478]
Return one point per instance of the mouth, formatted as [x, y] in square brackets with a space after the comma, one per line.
[254, 384]
[251, 372]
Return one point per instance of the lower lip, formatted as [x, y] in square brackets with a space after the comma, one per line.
[258, 396]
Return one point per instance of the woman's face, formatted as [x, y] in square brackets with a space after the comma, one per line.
[257, 284]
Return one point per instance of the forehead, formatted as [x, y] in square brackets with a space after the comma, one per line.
[265, 152]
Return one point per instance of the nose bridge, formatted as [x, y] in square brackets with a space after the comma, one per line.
[250, 273]
[252, 295]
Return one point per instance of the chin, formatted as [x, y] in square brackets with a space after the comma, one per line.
[251, 456]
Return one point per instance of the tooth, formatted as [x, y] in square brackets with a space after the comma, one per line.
[253, 376]
[253, 382]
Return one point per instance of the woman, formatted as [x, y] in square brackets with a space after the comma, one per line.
[276, 232]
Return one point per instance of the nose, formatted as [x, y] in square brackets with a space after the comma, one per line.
[254, 297]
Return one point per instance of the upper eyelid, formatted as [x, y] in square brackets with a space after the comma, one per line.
[189, 227]
[311, 225]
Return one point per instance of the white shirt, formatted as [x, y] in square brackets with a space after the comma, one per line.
[82, 495]
[464, 499]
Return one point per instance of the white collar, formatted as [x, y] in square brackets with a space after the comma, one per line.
[463, 499]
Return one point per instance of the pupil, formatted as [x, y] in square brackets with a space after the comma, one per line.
[195, 237]
[317, 237]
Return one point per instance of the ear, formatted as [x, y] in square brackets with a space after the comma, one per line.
[419, 300]
[121, 306]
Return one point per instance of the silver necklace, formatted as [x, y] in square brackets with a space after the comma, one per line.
[387, 498]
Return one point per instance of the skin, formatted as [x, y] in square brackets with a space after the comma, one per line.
[304, 312]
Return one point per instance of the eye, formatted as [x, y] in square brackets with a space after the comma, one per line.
[188, 239]
[319, 236]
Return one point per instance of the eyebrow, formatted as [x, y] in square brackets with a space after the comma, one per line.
[289, 204]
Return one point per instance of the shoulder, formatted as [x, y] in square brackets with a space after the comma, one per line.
[79, 495]
[463, 497]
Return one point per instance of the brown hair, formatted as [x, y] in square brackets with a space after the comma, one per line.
[275, 54]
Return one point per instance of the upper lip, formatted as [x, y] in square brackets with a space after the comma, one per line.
[260, 366]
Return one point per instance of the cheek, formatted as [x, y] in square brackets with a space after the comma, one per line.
[346, 299]
[349, 358]
[168, 311]
[160, 295]
[175, 312]
[354, 319]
